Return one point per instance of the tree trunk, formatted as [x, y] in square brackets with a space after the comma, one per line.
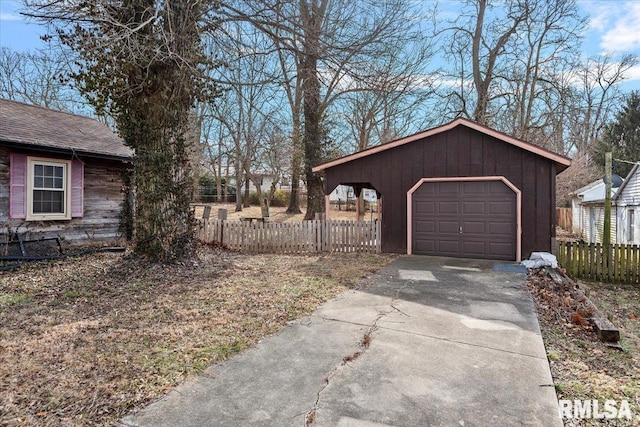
[312, 16]
[296, 169]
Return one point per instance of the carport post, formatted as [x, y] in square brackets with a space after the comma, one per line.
[327, 207]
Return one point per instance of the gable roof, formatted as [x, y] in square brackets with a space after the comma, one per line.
[626, 180]
[579, 192]
[562, 162]
[29, 126]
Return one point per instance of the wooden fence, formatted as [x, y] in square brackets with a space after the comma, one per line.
[293, 237]
[620, 263]
[564, 218]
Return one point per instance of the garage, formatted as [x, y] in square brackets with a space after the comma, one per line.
[464, 218]
[460, 190]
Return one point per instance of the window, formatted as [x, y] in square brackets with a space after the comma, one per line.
[48, 189]
[631, 220]
[45, 188]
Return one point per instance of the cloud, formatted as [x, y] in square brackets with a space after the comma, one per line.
[633, 74]
[623, 33]
[10, 17]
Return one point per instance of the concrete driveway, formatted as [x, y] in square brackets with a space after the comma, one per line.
[427, 342]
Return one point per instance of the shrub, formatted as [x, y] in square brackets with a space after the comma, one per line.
[279, 199]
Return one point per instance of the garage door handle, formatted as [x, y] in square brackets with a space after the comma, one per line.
[460, 229]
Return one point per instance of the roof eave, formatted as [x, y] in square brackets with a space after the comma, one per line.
[59, 150]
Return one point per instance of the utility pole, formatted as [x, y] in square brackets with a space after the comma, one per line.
[606, 235]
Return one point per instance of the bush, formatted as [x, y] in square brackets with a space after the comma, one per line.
[279, 199]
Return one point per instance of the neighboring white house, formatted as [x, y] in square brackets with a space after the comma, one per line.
[587, 206]
[344, 193]
[627, 202]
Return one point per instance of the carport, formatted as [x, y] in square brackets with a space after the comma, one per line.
[459, 190]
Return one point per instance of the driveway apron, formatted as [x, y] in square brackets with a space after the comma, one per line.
[426, 341]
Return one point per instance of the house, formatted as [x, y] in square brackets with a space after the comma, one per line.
[61, 175]
[461, 190]
[588, 202]
[627, 208]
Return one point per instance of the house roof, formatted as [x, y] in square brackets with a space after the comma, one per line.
[562, 162]
[43, 129]
[627, 179]
[587, 187]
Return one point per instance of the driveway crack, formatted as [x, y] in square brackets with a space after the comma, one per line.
[363, 345]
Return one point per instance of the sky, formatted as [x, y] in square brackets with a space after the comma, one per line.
[614, 28]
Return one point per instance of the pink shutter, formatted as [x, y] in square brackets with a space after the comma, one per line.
[17, 185]
[77, 188]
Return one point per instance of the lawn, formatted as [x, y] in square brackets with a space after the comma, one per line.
[85, 340]
[583, 367]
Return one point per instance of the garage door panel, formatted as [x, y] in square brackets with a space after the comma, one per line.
[425, 246]
[448, 246]
[474, 208]
[501, 250]
[425, 226]
[474, 249]
[427, 207]
[447, 188]
[447, 227]
[486, 211]
[474, 227]
[473, 188]
[500, 228]
[445, 208]
[501, 207]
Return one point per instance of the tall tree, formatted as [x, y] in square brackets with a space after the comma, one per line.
[504, 54]
[622, 136]
[142, 61]
[324, 45]
[39, 78]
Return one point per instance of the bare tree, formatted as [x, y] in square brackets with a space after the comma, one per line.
[505, 53]
[39, 78]
[326, 45]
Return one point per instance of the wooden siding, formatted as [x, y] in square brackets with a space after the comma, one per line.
[102, 205]
[598, 228]
[457, 153]
[628, 199]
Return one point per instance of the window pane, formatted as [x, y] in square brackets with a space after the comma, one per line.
[48, 170]
[38, 182]
[48, 202]
[38, 170]
[48, 182]
[57, 183]
[58, 172]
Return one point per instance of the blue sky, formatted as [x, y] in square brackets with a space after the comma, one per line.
[614, 27]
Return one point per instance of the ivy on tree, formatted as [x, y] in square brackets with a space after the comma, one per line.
[142, 62]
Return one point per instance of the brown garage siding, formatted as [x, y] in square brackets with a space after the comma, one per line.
[461, 151]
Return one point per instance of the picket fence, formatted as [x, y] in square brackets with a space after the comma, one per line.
[564, 218]
[293, 237]
[618, 263]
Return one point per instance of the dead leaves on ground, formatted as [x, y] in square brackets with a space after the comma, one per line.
[581, 366]
[85, 340]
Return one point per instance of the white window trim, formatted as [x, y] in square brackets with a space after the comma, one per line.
[31, 161]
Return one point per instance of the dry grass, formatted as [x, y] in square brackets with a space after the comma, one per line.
[583, 367]
[276, 214]
[85, 340]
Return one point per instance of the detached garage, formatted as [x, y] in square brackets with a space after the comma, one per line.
[460, 190]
